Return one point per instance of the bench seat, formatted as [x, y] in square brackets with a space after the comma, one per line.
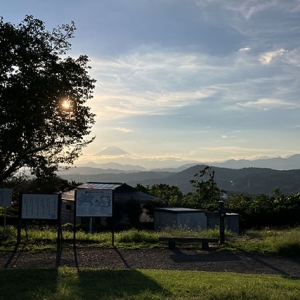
[172, 240]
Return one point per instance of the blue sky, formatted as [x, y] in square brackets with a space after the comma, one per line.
[205, 80]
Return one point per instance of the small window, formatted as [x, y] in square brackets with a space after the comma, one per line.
[68, 207]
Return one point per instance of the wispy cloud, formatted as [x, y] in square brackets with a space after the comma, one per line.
[244, 49]
[267, 57]
[269, 103]
[123, 129]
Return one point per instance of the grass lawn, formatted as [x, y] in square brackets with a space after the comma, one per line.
[69, 283]
[86, 283]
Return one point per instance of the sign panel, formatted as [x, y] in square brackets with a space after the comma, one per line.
[40, 206]
[94, 203]
[5, 197]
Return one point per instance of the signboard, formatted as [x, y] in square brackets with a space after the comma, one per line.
[40, 206]
[94, 203]
[5, 197]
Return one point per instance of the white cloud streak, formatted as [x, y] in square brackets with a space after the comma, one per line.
[267, 57]
[269, 103]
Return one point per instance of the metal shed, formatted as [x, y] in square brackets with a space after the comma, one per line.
[194, 219]
[179, 217]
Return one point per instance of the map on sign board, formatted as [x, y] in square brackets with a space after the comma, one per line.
[5, 197]
[40, 206]
[94, 203]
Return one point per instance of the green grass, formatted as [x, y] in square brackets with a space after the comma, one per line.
[91, 283]
[285, 242]
[70, 283]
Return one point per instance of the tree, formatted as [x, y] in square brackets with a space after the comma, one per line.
[207, 193]
[43, 117]
[165, 192]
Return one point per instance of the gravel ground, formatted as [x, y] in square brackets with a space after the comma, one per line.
[178, 259]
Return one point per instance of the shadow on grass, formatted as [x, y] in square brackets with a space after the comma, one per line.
[94, 284]
[27, 284]
[71, 283]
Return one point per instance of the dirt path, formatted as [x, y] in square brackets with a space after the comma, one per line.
[179, 259]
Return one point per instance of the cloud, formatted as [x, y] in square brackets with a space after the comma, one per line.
[248, 151]
[123, 129]
[252, 7]
[150, 82]
[269, 103]
[245, 49]
[225, 136]
[267, 57]
[249, 8]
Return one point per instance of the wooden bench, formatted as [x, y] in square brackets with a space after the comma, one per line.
[172, 240]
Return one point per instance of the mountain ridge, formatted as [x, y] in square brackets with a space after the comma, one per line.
[130, 164]
[239, 176]
[251, 181]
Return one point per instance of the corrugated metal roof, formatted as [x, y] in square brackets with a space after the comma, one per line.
[178, 209]
[100, 185]
[123, 192]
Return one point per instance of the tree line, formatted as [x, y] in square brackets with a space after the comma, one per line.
[258, 211]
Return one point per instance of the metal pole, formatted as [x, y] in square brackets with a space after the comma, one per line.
[113, 219]
[4, 221]
[222, 222]
[91, 225]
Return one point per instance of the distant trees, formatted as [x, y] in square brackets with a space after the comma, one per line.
[277, 210]
[43, 116]
[260, 211]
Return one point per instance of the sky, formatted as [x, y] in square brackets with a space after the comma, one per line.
[205, 80]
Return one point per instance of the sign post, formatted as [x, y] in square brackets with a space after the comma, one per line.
[93, 203]
[42, 207]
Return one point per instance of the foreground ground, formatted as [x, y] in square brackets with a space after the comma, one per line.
[178, 259]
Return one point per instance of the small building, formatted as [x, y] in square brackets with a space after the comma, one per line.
[193, 219]
[179, 217]
[122, 193]
[232, 221]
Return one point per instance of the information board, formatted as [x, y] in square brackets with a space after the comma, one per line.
[94, 203]
[5, 197]
[40, 206]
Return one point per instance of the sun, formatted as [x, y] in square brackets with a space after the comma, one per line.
[66, 104]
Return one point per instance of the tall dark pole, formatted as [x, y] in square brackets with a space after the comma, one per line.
[222, 221]
[113, 219]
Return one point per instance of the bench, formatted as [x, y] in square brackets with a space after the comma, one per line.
[172, 240]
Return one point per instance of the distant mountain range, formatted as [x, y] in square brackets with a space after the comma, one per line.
[277, 163]
[114, 160]
[242, 176]
[247, 180]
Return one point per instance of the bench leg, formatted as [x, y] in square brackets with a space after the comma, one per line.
[205, 246]
[172, 245]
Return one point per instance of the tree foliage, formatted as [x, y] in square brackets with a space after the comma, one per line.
[255, 211]
[43, 116]
[262, 210]
[207, 193]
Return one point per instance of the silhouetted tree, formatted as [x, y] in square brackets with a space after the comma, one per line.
[43, 117]
[207, 193]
